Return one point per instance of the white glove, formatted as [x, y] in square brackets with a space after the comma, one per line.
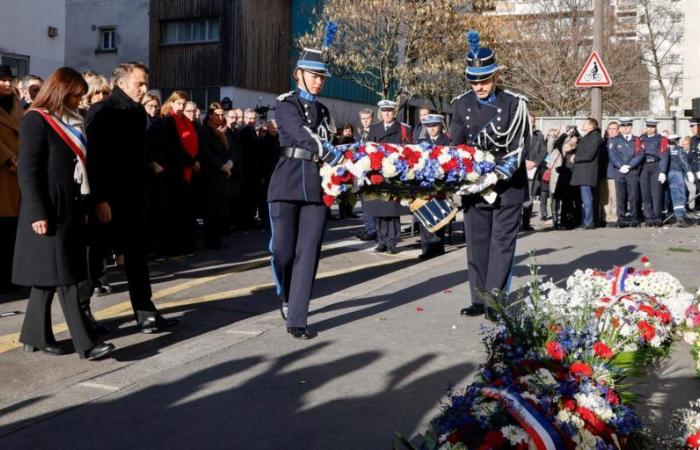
[690, 177]
[624, 169]
[697, 175]
[484, 183]
[662, 178]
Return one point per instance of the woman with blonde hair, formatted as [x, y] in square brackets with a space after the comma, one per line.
[98, 90]
[181, 150]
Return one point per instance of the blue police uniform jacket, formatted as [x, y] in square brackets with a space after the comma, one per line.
[655, 148]
[303, 124]
[694, 154]
[625, 153]
[474, 119]
[677, 160]
[610, 169]
[442, 139]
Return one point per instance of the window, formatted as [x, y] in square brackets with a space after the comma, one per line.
[190, 31]
[19, 64]
[108, 39]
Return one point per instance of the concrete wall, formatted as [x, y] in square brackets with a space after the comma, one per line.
[23, 30]
[131, 20]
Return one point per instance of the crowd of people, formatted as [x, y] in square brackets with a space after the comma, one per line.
[145, 172]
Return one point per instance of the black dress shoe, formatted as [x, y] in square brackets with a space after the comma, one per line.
[301, 332]
[93, 324]
[103, 290]
[284, 310]
[623, 224]
[588, 227]
[54, 349]
[156, 323]
[98, 351]
[526, 228]
[381, 248]
[473, 310]
[392, 250]
[369, 237]
[491, 315]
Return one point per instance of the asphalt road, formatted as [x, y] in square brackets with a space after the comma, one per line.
[391, 342]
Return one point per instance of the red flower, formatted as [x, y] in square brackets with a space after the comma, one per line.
[693, 441]
[376, 160]
[411, 157]
[612, 397]
[664, 316]
[468, 164]
[602, 351]
[644, 259]
[390, 148]
[647, 330]
[648, 309]
[605, 299]
[449, 165]
[348, 155]
[435, 154]
[328, 200]
[599, 312]
[555, 350]
[570, 404]
[494, 439]
[376, 179]
[335, 179]
[347, 177]
[581, 369]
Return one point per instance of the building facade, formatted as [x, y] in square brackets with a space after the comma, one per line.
[102, 34]
[33, 36]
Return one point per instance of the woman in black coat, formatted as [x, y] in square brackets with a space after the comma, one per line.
[388, 213]
[50, 247]
[215, 156]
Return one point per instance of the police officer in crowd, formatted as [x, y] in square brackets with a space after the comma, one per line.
[496, 120]
[297, 211]
[677, 170]
[694, 162]
[625, 153]
[432, 244]
[387, 213]
[655, 151]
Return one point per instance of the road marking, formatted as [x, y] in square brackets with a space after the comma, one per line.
[11, 341]
[105, 387]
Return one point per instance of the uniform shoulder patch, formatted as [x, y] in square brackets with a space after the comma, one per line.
[285, 95]
[517, 95]
[460, 96]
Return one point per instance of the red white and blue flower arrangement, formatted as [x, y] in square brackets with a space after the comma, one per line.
[406, 172]
[554, 370]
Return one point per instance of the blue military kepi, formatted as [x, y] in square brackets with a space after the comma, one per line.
[481, 61]
[694, 122]
[626, 121]
[651, 122]
[673, 138]
[433, 119]
[387, 104]
[311, 60]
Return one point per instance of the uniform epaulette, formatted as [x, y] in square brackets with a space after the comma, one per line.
[460, 96]
[515, 94]
[285, 95]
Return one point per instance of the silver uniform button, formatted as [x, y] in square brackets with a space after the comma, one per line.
[498, 118]
[499, 110]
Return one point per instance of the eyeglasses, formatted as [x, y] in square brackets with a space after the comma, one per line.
[191, 111]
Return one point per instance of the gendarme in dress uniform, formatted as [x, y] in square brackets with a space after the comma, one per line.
[495, 120]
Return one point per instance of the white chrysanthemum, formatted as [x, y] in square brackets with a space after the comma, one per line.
[444, 157]
[370, 148]
[388, 168]
[515, 435]
[473, 177]
[479, 156]
[656, 341]
[484, 410]
[327, 171]
[595, 403]
[545, 377]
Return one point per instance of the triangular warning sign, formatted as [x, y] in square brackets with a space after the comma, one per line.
[594, 73]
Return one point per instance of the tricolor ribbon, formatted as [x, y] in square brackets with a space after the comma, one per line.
[543, 434]
[619, 278]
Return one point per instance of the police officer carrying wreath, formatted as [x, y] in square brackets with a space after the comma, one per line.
[297, 211]
[495, 120]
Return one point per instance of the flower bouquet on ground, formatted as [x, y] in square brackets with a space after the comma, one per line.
[686, 424]
[554, 370]
[405, 173]
[691, 330]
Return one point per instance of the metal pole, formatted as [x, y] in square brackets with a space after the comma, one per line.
[596, 92]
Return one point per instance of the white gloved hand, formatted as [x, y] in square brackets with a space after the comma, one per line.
[662, 178]
[484, 183]
[624, 169]
[697, 175]
[690, 177]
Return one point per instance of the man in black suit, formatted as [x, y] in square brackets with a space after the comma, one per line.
[495, 120]
[534, 163]
[116, 135]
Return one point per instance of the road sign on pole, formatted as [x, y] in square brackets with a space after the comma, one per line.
[594, 73]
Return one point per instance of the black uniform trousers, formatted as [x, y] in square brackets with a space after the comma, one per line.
[388, 230]
[98, 250]
[490, 233]
[297, 233]
[627, 194]
[432, 243]
[36, 328]
[139, 280]
[651, 190]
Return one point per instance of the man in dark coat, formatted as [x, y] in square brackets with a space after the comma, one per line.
[495, 120]
[251, 185]
[387, 213]
[586, 170]
[534, 163]
[116, 135]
